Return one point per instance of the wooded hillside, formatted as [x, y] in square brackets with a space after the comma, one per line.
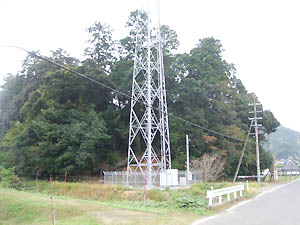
[285, 143]
[52, 119]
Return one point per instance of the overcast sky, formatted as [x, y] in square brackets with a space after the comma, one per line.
[261, 37]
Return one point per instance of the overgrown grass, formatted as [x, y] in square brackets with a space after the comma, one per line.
[190, 203]
[91, 203]
[287, 178]
[173, 199]
[34, 208]
[192, 199]
[76, 189]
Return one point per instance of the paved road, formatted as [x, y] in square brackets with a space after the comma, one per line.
[278, 207]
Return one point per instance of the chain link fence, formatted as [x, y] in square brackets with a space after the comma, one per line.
[138, 179]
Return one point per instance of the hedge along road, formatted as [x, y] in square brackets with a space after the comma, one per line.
[280, 206]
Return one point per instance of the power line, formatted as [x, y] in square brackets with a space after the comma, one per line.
[121, 93]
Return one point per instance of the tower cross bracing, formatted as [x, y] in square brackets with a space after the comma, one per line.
[149, 142]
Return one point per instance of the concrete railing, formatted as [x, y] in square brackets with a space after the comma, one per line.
[224, 191]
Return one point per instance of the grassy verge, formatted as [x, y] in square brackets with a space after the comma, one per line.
[85, 203]
[18, 207]
[287, 178]
[191, 199]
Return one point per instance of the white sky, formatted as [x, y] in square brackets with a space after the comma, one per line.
[261, 37]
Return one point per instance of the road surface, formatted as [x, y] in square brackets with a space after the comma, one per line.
[280, 206]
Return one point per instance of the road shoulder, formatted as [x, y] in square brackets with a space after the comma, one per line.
[227, 208]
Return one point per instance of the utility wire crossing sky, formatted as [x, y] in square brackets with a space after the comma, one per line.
[122, 93]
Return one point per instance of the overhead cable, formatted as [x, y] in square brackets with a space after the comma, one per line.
[121, 93]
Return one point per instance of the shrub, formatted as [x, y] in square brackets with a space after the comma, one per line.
[6, 177]
[187, 201]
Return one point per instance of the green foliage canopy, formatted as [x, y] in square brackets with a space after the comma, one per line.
[53, 120]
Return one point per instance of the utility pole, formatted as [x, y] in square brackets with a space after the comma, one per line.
[187, 156]
[256, 125]
[189, 175]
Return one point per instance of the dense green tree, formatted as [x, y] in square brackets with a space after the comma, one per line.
[9, 105]
[17, 88]
[73, 139]
[60, 125]
[270, 124]
[57, 139]
[102, 46]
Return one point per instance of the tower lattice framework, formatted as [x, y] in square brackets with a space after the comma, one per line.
[149, 142]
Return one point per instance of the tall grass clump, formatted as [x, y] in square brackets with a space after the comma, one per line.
[84, 190]
[8, 177]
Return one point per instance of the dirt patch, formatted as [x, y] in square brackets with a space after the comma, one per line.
[121, 216]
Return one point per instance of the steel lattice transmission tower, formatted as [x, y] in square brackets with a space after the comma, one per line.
[149, 143]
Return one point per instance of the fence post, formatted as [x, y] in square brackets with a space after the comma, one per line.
[228, 197]
[66, 173]
[37, 178]
[134, 180]
[234, 195]
[51, 198]
[247, 185]
[210, 201]
[220, 199]
[100, 184]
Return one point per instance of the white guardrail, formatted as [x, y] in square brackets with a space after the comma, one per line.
[224, 191]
